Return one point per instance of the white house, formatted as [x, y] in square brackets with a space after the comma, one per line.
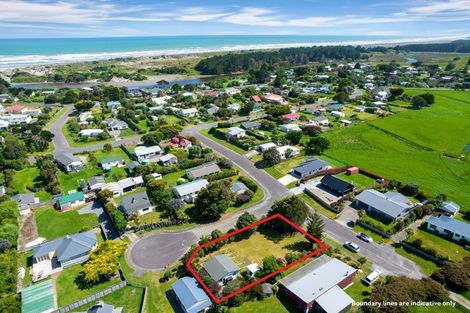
[266, 146]
[188, 112]
[338, 114]
[233, 106]
[15, 119]
[91, 132]
[189, 191]
[287, 151]
[145, 154]
[84, 116]
[447, 226]
[236, 132]
[289, 127]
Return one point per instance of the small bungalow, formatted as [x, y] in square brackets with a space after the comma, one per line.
[289, 127]
[446, 226]
[235, 132]
[309, 167]
[449, 208]
[213, 109]
[17, 109]
[234, 107]
[188, 192]
[16, 119]
[202, 171]
[168, 159]
[177, 141]
[115, 188]
[273, 98]
[91, 132]
[336, 185]
[112, 161]
[131, 183]
[25, 201]
[191, 112]
[335, 107]
[290, 117]
[190, 296]
[255, 99]
[321, 121]
[146, 154]
[137, 203]
[266, 146]
[250, 125]
[71, 200]
[338, 114]
[390, 206]
[95, 183]
[238, 188]
[113, 104]
[115, 125]
[221, 269]
[69, 163]
[288, 151]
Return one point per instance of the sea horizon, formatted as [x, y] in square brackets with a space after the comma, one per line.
[21, 53]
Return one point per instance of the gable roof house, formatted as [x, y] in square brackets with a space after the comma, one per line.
[69, 163]
[289, 127]
[318, 286]
[250, 125]
[446, 226]
[70, 200]
[51, 256]
[137, 203]
[91, 132]
[168, 159]
[188, 112]
[390, 206]
[235, 132]
[273, 98]
[287, 151]
[113, 104]
[146, 154]
[221, 269]
[111, 161]
[266, 146]
[96, 183]
[309, 167]
[15, 119]
[114, 125]
[177, 141]
[101, 307]
[338, 186]
[449, 207]
[130, 183]
[321, 120]
[203, 170]
[190, 296]
[189, 191]
[290, 117]
[25, 201]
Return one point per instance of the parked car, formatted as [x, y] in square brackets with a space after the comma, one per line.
[352, 246]
[371, 278]
[365, 237]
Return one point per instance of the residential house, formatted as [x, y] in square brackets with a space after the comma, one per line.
[96, 183]
[232, 91]
[25, 201]
[70, 200]
[452, 228]
[168, 159]
[115, 188]
[4, 97]
[161, 100]
[16, 119]
[345, 123]
[138, 203]
[266, 146]
[131, 183]
[338, 114]
[235, 132]
[115, 125]
[318, 286]
[177, 142]
[4, 125]
[221, 269]
[188, 192]
[190, 296]
[309, 167]
[234, 107]
[114, 105]
[17, 109]
[289, 127]
[238, 188]
[335, 107]
[91, 132]
[321, 121]
[287, 151]
[273, 98]
[52, 256]
[336, 185]
[449, 208]
[389, 206]
[132, 165]
[69, 163]
[84, 117]
[255, 99]
[213, 109]
[191, 112]
[146, 154]
[290, 117]
[101, 307]
[250, 125]
[202, 171]
[112, 161]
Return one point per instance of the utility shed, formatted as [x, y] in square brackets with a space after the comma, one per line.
[38, 298]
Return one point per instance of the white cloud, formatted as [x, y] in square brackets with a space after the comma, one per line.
[199, 14]
[434, 7]
[254, 16]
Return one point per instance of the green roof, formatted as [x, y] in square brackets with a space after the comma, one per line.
[72, 197]
[37, 298]
[110, 159]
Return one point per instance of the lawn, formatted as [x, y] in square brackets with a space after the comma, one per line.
[71, 181]
[442, 246]
[73, 142]
[69, 291]
[52, 224]
[282, 169]
[358, 291]
[172, 178]
[358, 180]
[171, 119]
[224, 143]
[318, 207]
[427, 267]
[275, 304]
[376, 237]
[29, 178]
[129, 298]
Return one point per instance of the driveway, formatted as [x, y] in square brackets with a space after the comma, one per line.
[108, 227]
[286, 180]
[158, 250]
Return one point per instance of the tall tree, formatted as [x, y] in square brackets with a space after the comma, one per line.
[292, 208]
[213, 200]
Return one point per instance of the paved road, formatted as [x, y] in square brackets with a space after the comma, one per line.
[103, 218]
[384, 257]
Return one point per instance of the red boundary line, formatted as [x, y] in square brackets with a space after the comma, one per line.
[217, 300]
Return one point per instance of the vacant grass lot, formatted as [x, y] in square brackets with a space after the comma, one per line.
[29, 178]
[69, 289]
[443, 246]
[53, 224]
[358, 180]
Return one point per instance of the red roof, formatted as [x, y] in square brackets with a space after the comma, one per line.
[256, 98]
[16, 107]
[290, 116]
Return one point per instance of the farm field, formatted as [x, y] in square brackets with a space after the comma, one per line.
[391, 156]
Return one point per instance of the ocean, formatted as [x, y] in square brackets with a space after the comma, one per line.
[28, 52]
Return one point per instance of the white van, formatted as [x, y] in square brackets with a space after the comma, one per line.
[369, 280]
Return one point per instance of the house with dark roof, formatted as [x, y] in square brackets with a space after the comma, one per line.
[446, 226]
[137, 203]
[389, 206]
[190, 296]
[221, 269]
[68, 162]
[250, 125]
[202, 171]
[449, 207]
[336, 185]
[318, 286]
[70, 200]
[51, 256]
[25, 202]
[238, 188]
[309, 167]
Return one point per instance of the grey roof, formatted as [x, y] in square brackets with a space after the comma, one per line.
[317, 277]
[389, 203]
[135, 202]
[96, 180]
[452, 225]
[132, 165]
[310, 165]
[190, 294]
[237, 187]
[189, 188]
[449, 206]
[24, 200]
[113, 122]
[101, 307]
[250, 124]
[66, 158]
[202, 170]
[220, 266]
[68, 247]
[320, 118]
[334, 300]
[131, 182]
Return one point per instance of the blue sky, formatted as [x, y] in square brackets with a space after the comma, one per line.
[99, 18]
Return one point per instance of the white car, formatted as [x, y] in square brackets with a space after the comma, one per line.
[365, 237]
[352, 246]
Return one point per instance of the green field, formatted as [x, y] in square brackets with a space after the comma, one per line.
[129, 298]
[442, 246]
[53, 224]
[29, 178]
[408, 153]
